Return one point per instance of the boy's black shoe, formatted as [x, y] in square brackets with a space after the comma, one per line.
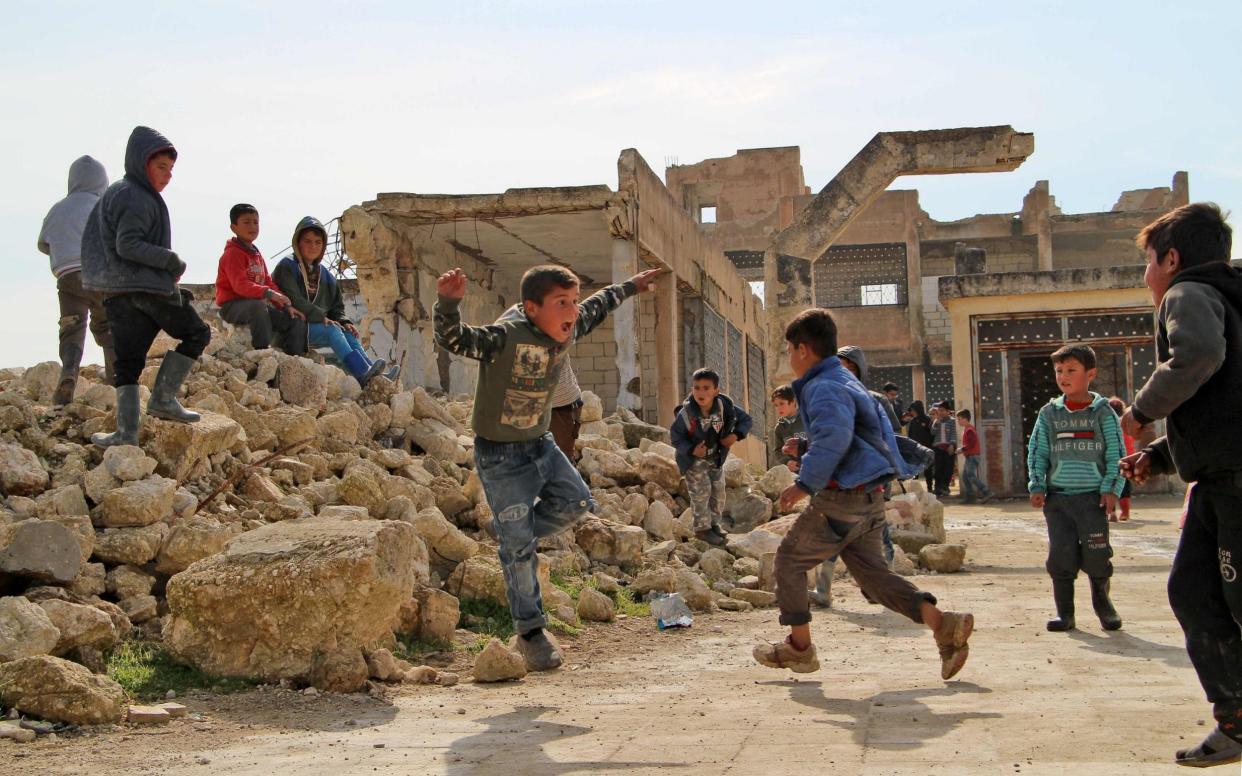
[1109, 620]
[712, 536]
[1063, 595]
[127, 419]
[1216, 749]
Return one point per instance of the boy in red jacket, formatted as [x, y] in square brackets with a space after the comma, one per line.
[245, 292]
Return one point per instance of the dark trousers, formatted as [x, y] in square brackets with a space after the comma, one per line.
[1206, 595]
[566, 422]
[136, 319]
[944, 470]
[77, 306]
[848, 523]
[1077, 536]
[262, 319]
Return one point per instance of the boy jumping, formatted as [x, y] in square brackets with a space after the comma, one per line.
[848, 459]
[1195, 387]
[532, 488]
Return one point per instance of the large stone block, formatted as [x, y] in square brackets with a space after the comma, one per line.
[191, 540]
[138, 503]
[286, 599]
[21, 471]
[25, 629]
[80, 626]
[134, 546]
[301, 382]
[41, 550]
[611, 544]
[60, 691]
[180, 447]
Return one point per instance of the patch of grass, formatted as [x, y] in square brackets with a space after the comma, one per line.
[572, 585]
[628, 605]
[557, 625]
[413, 648]
[147, 672]
[487, 618]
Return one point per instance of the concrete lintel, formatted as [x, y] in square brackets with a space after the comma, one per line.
[954, 287]
[511, 202]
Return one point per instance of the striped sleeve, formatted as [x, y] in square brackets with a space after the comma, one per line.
[1037, 457]
[595, 308]
[1114, 449]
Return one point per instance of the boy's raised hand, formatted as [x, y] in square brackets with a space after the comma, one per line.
[452, 284]
[645, 281]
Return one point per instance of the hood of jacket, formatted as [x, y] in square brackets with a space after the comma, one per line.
[88, 176]
[144, 143]
[306, 224]
[1096, 401]
[1225, 278]
[854, 355]
[917, 408]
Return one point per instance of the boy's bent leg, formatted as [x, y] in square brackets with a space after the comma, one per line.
[862, 516]
[253, 314]
[178, 319]
[511, 483]
[133, 331]
[565, 498]
[809, 542]
[1206, 597]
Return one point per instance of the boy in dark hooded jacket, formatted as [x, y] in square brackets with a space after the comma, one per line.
[61, 239]
[127, 255]
[1195, 388]
[313, 291]
[708, 424]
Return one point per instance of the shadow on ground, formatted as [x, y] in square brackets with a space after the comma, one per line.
[513, 744]
[1128, 645]
[895, 720]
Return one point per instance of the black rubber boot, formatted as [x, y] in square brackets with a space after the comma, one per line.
[163, 402]
[127, 419]
[1063, 595]
[70, 360]
[1109, 620]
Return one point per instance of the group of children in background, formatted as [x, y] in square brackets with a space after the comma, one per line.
[111, 251]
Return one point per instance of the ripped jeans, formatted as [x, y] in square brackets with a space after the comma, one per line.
[534, 491]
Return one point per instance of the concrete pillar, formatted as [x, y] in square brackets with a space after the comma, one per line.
[1043, 225]
[914, 272]
[626, 329]
[668, 346]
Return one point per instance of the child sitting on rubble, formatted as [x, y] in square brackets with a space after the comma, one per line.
[708, 424]
[788, 426]
[849, 457]
[315, 293]
[531, 487]
[247, 295]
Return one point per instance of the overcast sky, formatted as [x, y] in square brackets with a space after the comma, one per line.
[310, 107]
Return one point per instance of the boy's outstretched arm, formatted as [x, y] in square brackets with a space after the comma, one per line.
[595, 308]
[482, 343]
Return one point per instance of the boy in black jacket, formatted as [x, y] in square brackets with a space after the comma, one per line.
[127, 254]
[708, 424]
[1195, 388]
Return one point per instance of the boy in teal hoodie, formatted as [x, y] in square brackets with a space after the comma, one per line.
[1072, 461]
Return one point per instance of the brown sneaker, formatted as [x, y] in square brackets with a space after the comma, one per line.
[955, 628]
[785, 655]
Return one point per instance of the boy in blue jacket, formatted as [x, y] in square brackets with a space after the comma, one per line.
[849, 457]
[708, 424]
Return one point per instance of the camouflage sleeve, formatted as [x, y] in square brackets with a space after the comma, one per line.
[596, 307]
[482, 343]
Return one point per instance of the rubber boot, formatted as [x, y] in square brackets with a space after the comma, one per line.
[1125, 508]
[393, 372]
[357, 364]
[163, 402]
[109, 353]
[70, 360]
[1109, 620]
[127, 419]
[1063, 595]
[822, 594]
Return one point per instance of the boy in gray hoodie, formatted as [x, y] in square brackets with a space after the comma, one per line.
[127, 256]
[61, 239]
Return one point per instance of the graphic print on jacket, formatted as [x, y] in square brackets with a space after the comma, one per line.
[528, 390]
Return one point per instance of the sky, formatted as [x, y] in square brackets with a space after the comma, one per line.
[306, 108]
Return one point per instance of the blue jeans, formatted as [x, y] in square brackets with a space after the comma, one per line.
[341, 341]
[534, 491]
[972, 485]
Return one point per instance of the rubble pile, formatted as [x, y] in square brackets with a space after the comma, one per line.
[305, 523]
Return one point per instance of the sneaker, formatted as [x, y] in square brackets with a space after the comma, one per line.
[540, 652]
[1216, 749]
[955, 628]
[822, 600]
[785, 655]
[712, 536]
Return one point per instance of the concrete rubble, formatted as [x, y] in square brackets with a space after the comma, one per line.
[304, 526]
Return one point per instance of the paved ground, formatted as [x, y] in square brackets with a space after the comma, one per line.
[635, 700]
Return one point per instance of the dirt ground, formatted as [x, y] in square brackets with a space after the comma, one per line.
[632, 699]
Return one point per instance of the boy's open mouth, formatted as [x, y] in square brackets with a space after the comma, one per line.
[566, 328]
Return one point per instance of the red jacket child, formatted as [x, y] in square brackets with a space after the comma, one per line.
[242, 274]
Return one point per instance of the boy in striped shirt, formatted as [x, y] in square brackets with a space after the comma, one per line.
[1072, 461]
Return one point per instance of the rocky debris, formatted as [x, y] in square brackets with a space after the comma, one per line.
[138, 504]
[147, 715]
[265, 606]
[185, 448]
[133, 546]
[611, 544]
[25, 630]
[128, 463]
[594, 606]
[21, 471]
[498, 663]
[438, 614]
[55, 689]
[80, 626]
[775, 481]
[754, 544]
[660, 470]
[40, 550]
[942, 558]
[756, 598]
[902, 563]
[191, 540]
[747, 510]
[912, 541]
[13, 731]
